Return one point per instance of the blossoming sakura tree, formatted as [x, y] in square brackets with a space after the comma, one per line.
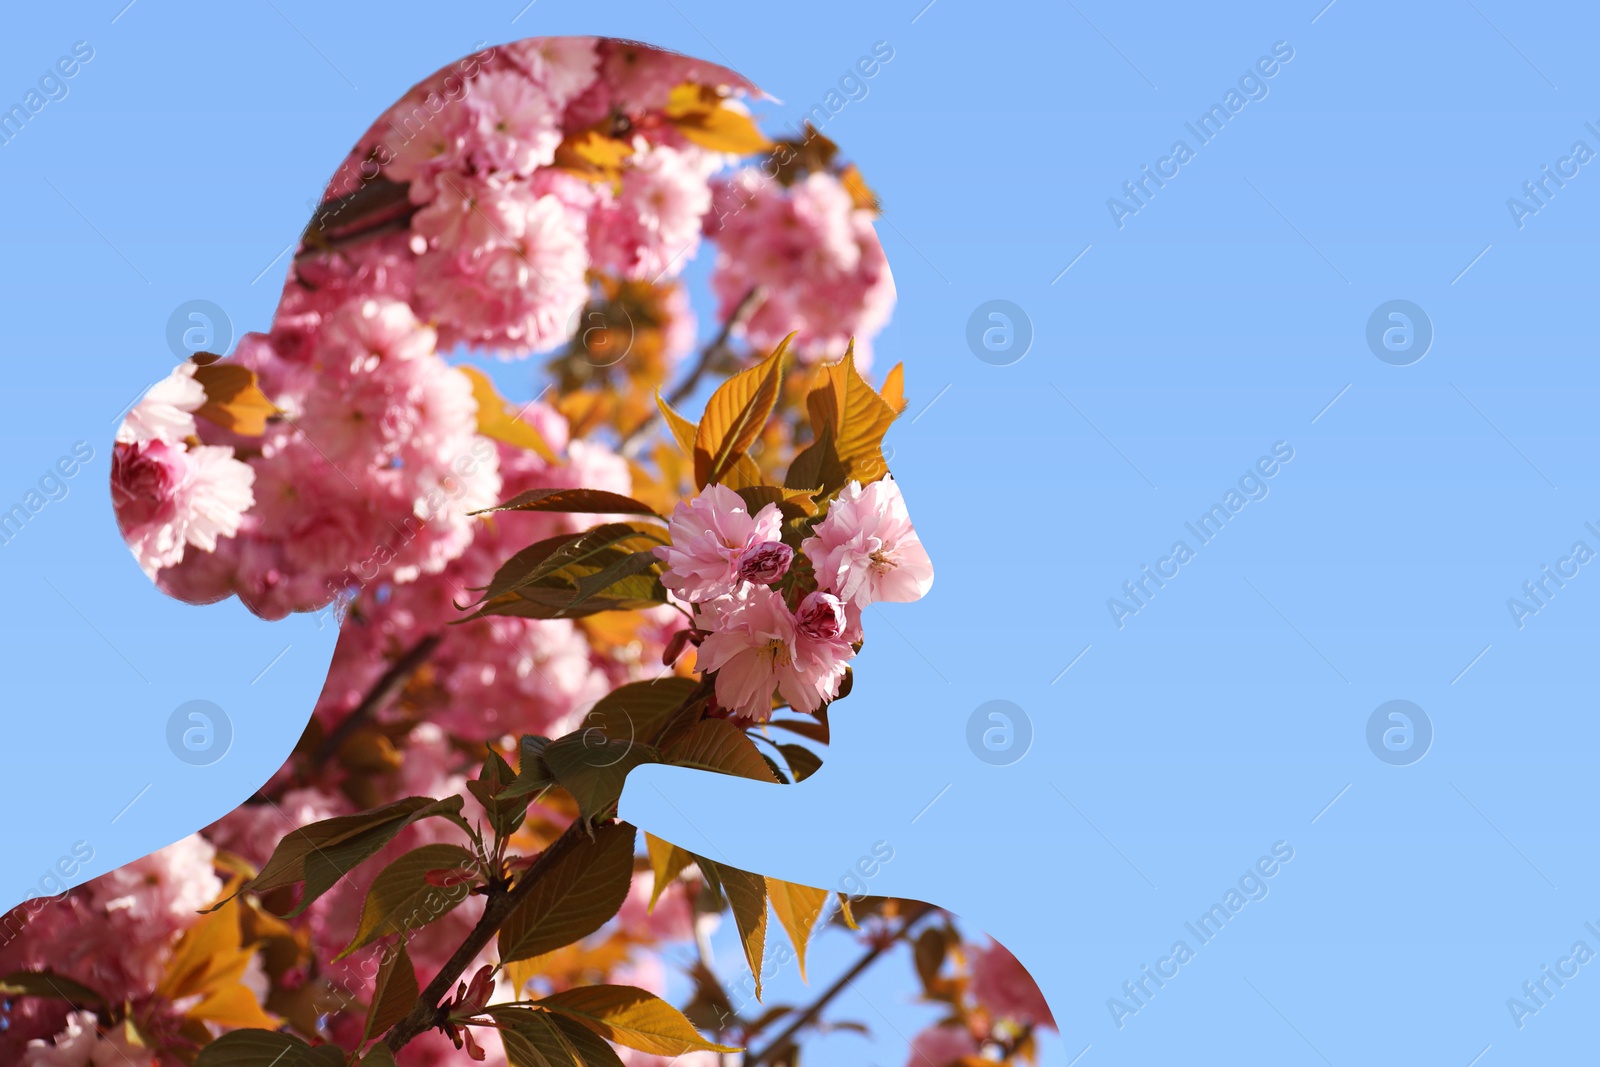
[533, 599]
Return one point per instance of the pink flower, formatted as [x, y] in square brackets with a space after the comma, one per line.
[710, 534]
[815, 254]
[516, 295]
[756, 647]
[80, 1045]
[517, 124]
[562, 66]
[765, 563]
[866, 549]
[652, 228]
[167, 498]
[821, 616]
[165, 413]
[941, 1046]
[1001, 984]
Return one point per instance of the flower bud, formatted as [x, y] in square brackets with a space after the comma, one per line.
[821, 616]
[766, 562]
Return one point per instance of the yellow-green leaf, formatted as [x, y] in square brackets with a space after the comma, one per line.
[496, 419]
[744, 472]
[667, 861]
[402, 899]
[894, 388]
[735, 416]
[797, 908]
[632, 1017]
[705, 118]
[747, 896]
[845, 402]
[321, 853]
[545, 1039]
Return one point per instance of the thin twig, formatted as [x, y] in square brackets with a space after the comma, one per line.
[741, 314]
[425, 1015]
[382, 691]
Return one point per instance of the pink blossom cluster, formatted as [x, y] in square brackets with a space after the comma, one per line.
[815, 256]
[735, 568]
[115, 934]
[171, 493]
[504, 234]
[1003, 992]
[369, 474]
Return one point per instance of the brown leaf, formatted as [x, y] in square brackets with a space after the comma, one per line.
[394, 993]
[735, 416]
[797, 908]
[233, 399]
[575, 896]
[496, 419]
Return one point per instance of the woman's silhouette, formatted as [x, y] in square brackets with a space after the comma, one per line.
[653, 589]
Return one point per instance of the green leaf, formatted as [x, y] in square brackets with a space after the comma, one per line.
[402, 899]
[803, 762]
[717, 745]
[506, 812]
[266, 1048]
[532, 775]
[632, 1017]
[574, 501]
[394, 993]
[592, 767]
[747, 896]
[613, 574]
[378, 1056]
[608, 568]
[323, 852]
[640, 711]
[735, 416]
[582, 888]
[48, 984]
[544, 1039]
[817, 466]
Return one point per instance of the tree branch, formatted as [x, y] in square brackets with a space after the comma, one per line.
[502, 902]
[382, 691]
[809, 1016]
[741, 314]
